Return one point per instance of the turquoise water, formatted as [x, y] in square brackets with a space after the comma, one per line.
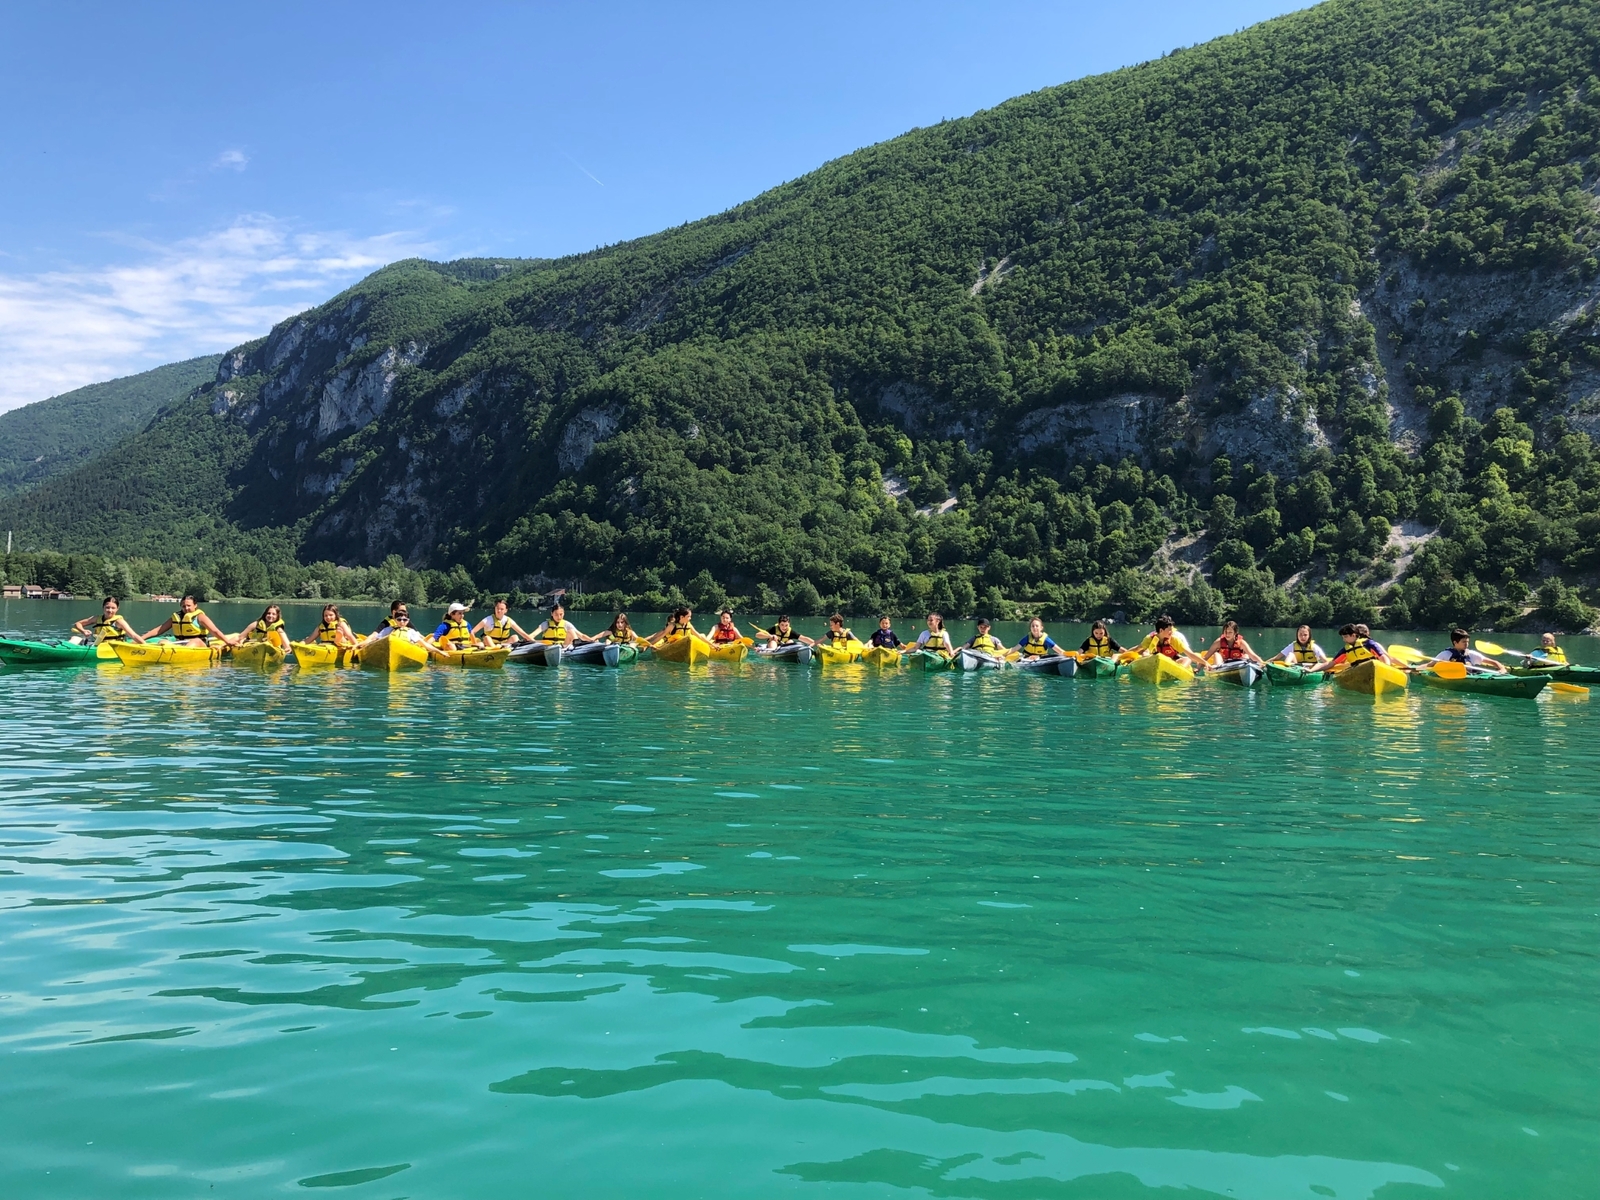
[765, 931]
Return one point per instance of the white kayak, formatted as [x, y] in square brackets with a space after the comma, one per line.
[968, 659]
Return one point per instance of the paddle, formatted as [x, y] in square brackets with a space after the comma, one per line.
[1416, 660]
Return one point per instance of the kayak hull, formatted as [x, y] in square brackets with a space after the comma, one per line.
[597, 654]
[322, 654]
[1242, 674]
[477, 659]
[838, 656]
[733, 652]
[882, 656]
[1159, 669]
[1568, 674]
[1371, 678]
[1097, 668]
[799, 653]
[929, 660]
[976, 660]
[1289, 675]
[1515, 687]
[1048, 664]
[538, 654]
[258, 656]
[685, 648]
[20, 652]
[393, 653]
[166, 654]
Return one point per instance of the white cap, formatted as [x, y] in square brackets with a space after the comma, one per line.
[457, 607]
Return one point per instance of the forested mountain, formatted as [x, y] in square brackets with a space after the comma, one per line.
[1300, 321]
[51, 436]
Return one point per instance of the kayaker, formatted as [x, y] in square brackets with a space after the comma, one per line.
[499, 629]
[1099, 643]
[557, 630]
[985, 642]
[1165, 639]
[1548, 654]
[190, 626]
[1039, 644]
[680, 623]
[885, 635]
[398, 621]
[936, 638]
[1358, 647]
[266, 628]
[109, 626]
[333, 630]
[1303, 652]
[837, 634]
[453, 633]
[783, 634]
[619, 631]
[1461, 651]
[725, 632]
[1230, 647]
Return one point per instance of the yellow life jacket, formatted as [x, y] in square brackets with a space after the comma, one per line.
[1035, 648]
[187, 625]
[987, 643]
[842, 638]
[1552, 654]
[1305, 654]
[938, 640]
[108, 631]
[784, 639]
[1360, 652]
[261, 631]
[328, 634]
[499, 631]
[554, 631]
[458, 636]
[1098, 647]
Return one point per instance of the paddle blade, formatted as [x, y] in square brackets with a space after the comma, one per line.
[1570, 689]
[1449, 670]
[1491, 648]
[1408, 654]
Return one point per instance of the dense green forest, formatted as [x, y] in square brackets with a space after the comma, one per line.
[1297, 323]
[44, 439]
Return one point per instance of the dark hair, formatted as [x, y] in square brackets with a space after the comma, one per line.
[1362, 630]
[724, 612]
[784, 617]
[622, 619]
[1459, 635]
[1100, 625]
[680, 611]
[189, 596]
[268, 609]
[1230, 623]
[1347, 631]
[939, 617]
[983, 622]
[334, 608]
[1163, 622]
[839, 617]
[111, 600]
[396, 606]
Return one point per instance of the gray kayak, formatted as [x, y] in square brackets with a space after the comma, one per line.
[538, 654]
[1048, 664]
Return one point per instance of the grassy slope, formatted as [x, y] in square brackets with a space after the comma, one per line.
[42, 440]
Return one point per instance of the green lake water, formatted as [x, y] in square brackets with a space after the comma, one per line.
[764, 931]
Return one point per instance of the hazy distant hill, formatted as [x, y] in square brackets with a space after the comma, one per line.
[44, 439]
[1311, 305]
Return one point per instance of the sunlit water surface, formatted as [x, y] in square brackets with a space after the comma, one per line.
[758, 931]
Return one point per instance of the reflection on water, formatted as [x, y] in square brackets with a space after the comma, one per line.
[742, 929]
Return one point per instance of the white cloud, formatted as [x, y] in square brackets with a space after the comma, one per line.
[63, 329]
[231, 160]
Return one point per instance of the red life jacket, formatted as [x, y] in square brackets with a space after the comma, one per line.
[1231, 651]
[1169, 650]
[722, 636]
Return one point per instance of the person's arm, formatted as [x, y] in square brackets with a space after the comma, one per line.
[122, 624]
[1251, 654]
[517, 629]
[574, 634]
[160, 629]
[482, 627]
[1051, 646]
[81, 627]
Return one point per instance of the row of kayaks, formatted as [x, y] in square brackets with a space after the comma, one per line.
[1370, 677]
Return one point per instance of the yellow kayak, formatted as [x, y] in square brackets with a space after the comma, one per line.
[494, 657]
[727, 651]
[1158, 668]
[393, 653]
[833, 656]
[169, 654]
[322, 654]
[1371, 678]
[882, 656]
[685, 648]
[262, 656]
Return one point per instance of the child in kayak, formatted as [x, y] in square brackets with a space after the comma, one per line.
[190, 626]
[499, 629]
[1302, 652]
[680, 623]
[783, 634]
[109, 626]
[984, 642]
[453, 633]
[1231, 647]
[1461, 652]
[1548, 654]
[725, 632]
[1358, 647]
[334, 630]
[936, 638]
[619, 631]
[885, 635]
[266, 628]
[1165, 639]
[1038, 644]
[558, 630]
[837, 634]
[1099, 643]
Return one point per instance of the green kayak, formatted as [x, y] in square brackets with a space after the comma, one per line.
[927, 660]
[1518, 687]
[1567, 674]
[18, 652]
[1097, 668]
[1285, 675]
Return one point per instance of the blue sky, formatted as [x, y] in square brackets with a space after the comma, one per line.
[181, 176]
